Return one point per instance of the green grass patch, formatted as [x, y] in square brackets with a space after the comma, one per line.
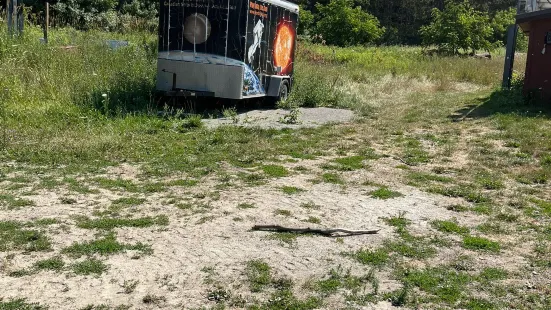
[378, 257]
[489, 181]
[332, 178]
[480, 244]
[466, 192]
[20, 304]
[89, 266]
[350, 163]
[385, 193]
[54, 264]
[489, 274]
[275, 171]
[107, 245]
[415, 250]
[128, 201]
[258, 275]
[117, 184]
[442, 284]
[11, 202]
[450, 227]
[291, 190]
[289, 239]
[110, 223]
[14, 237]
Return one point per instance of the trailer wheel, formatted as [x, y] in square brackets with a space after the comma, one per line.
[283, 91]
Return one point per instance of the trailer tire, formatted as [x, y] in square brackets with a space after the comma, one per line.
[283, 93]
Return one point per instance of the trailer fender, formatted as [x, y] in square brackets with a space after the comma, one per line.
[274, 83]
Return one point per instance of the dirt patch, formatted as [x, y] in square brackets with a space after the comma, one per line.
[275, 118]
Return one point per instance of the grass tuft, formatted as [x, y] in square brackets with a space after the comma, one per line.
[450, 227]
[480, 244]
[385, 193]
[291, 190]
[104, 246]
[54, 264]
[258, 275]
[89, 266]
[275, 171]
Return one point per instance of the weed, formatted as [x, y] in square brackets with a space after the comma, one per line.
[400, 221]
[12, 202]
[492, 273]
[350, 163]
[492, 228]
[231, 113]
[258, 274]
[275, 171]
[104, 246]
[291, 190]
[117, 184]
[465, 192]
[67, 200]
[378, 257]
[14, 237]
[489, 181]
[313, 220]
[445, 285]
[293, 117]
[450, 227]
[332, 178]
[310, 205]
[422, 178]
[282, 212]
[54, 263]
[246, 205]
[285, 238]
[218, 295]
[385, 193]
[190, 122]
[89, 266]
[153, 299]
[415, 250]
[457, 208]
[110, 223]
[45, 222]
[183, 183]
[129, 286]
[128, 201]
[20, 304]
[480, 243]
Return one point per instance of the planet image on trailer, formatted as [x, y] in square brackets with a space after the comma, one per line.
[283, 47]
[197, 28]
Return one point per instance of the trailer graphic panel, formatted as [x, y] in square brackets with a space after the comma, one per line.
[257, 36]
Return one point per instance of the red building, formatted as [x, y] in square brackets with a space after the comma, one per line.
[534, 18]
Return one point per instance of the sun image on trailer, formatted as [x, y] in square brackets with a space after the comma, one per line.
[283, 47]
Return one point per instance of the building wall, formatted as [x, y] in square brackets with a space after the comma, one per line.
[538, 65]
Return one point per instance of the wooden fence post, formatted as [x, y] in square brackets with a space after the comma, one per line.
[46, 22]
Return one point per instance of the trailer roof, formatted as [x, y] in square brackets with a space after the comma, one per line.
[289, 5]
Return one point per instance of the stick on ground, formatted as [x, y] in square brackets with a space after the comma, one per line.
[324, 232]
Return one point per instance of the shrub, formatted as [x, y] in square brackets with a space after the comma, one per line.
[341, 24]
[458, 27]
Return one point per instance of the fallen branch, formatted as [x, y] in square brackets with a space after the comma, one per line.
[324, 232]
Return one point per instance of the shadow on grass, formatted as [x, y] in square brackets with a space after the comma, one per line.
[504, 102]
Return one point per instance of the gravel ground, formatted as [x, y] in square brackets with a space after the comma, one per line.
[308, 117]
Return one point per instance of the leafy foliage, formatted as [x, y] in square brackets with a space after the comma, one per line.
[458, 27]
[341, 24]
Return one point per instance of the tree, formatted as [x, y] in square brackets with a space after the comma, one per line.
[458, 27]
[342, 25]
